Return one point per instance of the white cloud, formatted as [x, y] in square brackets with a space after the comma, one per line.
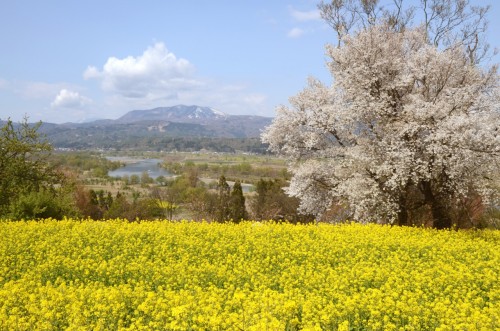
[231, 99]
[154, 74]
[91, 72]
[158, 78]
[295, 33]
[306, 20]
[303, 16]
[70, 100]
[48, 102]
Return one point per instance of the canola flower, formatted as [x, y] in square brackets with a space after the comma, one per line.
[90, 275]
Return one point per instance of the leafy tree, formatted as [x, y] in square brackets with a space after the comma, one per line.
[161, 180]
[87, 204]
[24, 166]
[260, 204]
[176, 190]
[100, 171]
[91, 203]
[202, 203]
[42, 204]
[102, 199]
[167, 208]
[143, 209]
[192, 176]
[146, 178]
[134, 179]
[126, 179]
[408, 130]
[271, 203]
[166, 200]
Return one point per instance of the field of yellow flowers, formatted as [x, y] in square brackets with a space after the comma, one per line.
[90, 275]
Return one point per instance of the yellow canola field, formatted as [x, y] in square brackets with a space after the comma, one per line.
[89, 275]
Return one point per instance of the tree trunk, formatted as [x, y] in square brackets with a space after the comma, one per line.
[403, 216]
[441, 218]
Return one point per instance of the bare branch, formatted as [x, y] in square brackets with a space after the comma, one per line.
[447, 22]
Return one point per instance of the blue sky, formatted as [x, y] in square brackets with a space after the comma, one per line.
[71, 61]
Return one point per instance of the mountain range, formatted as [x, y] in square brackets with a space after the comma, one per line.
[157, 127]
[179, 113]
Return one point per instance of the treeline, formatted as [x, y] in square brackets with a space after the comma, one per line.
[220, 145]
[186, 144]
[183, 198]
[187, 197]
[231, 171]
[84, 161]
[37, 184]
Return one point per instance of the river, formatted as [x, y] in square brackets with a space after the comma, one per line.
[151, 166]
[137, 167]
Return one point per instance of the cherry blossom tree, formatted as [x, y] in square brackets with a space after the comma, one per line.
[407, 133]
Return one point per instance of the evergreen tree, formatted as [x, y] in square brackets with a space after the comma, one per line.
[222, 214]
[237, 210]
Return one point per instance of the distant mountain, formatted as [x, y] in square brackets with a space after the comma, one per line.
[179, 113]
[159, 127]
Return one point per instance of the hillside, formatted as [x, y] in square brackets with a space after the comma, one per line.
[161, 129]
[179, 113]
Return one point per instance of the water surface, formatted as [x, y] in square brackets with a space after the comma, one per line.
[138, 167]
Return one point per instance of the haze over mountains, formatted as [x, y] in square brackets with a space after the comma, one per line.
[156, 127]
